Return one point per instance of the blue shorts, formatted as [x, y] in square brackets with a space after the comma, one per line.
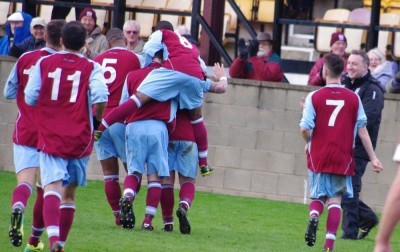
[329, 185]
[183, 157]
[146, 144]
[112, 143]
[70, 171]
[25, 157]
[163, 84]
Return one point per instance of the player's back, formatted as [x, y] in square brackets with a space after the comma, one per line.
[333, 136]
[116, 64]
[25, 132]
[63, 117]
[183, 56]
[153, 109]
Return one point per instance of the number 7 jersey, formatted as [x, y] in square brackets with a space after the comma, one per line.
[64, 86]
[333, 113]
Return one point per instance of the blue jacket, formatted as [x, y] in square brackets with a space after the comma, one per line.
[20, 33]
[29, 44]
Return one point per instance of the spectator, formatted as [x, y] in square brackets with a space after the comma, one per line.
[96, 42]
[381, 69]
[131, 32]
[393, 86]
[338, 45]
[61, 12]
[358, 218]
[17, 29]
[257, 61]
[38, 26]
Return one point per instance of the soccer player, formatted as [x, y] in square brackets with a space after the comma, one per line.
[182, 56]
[391, 214]
[146, 146]
[116, 62]
[64, 86]
[183, 159]
[26, 157]
[331, 117]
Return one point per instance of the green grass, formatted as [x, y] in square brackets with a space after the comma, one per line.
[219, 223]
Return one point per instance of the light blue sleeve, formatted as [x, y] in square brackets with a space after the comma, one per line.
[206, 85]
[32, 89]
[98, 88]
[125, 94]
[10, 90]
[153, 45]
[361, 116]
[308, 119]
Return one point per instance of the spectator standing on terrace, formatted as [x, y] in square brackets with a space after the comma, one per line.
[61, 12]
[17, 29]
[38, 26]
[131, 32]
[381, 69]
[96, 42]
[338, 46]
[257, 61]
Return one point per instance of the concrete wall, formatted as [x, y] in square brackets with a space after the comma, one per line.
[254, 142]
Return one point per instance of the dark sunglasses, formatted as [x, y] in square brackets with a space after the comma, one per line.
[133, 32]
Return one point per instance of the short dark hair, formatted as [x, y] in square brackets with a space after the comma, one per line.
[363, 55]
[73, 35]
[53, 31]
[334, 64]
[164, 25]
[159, 54]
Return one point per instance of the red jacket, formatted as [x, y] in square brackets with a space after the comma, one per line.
[315, 78]
[256, 68]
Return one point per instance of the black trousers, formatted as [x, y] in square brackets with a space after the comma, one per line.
[60, 12]
[356, 214]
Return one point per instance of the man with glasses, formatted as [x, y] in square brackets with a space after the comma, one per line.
[131, 32]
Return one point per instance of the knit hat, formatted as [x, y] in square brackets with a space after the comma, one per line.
[88, 12]
[338, 36]
[378, 53]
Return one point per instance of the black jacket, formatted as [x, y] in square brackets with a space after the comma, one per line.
[371, 95]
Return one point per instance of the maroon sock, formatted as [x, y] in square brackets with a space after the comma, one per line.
[67, 212]
[316, 208]
[167, 203]
[37, 219]
[21, 195]
[200, 134]
[186, 194]
[130, 184]
[152, 199]
[120, 113]
[51, 215]
[332, 224]
[113, 191]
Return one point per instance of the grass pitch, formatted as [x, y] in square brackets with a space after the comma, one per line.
[219, 223]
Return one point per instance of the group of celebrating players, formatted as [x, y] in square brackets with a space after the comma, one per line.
[143, 109]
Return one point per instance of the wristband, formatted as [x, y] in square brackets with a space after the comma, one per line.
[223, 78]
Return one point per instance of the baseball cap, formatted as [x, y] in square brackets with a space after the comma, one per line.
[115, 34]
[338, 36]
[38, 21]
[16, 17]
[88, 12]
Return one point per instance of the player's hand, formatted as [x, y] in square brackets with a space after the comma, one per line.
[222, 84]
[219, 71]
[97, 135]
[377, 165]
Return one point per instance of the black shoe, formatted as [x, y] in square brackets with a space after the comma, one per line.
[184, 225]
[206, 170]
[168, 228]
[147, 226]
[16, 227]
[127, 217]
[365, 231]
[311, 232]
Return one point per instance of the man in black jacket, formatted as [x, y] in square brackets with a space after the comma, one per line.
[356, 214]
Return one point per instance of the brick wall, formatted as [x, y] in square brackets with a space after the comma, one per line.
[254, 142]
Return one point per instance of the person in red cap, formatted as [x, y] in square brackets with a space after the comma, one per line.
[96, 42]
[257, 61]
[338, 46]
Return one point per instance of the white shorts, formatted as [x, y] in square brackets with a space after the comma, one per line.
[25, 157]
[70, 171]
